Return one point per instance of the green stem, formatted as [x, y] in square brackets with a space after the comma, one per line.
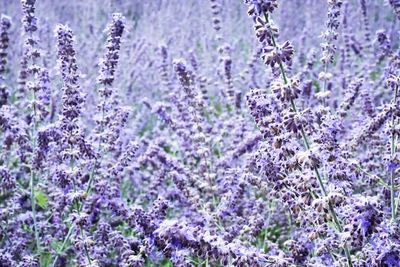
[72, 165]
[393, 149]
[62, 246]
[33, 176]
[99, 148]
[397, 204]
[325, 71]
[33, 206]
[85, 247]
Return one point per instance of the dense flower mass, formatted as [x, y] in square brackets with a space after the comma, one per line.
[177, 133]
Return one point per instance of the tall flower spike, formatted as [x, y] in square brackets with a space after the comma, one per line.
[29, 20]
[69, 71]
[216, 19]
[5, 24]
[185, 77]
[72, 98]
[110, 61]
[30, 52]
[367, 29]
[330, 35]
[106, 78]
[32, 77]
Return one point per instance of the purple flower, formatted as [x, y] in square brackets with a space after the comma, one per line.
[286, 92]
[265, 30]
[275, 55]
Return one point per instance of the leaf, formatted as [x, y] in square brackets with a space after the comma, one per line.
[374, 75]
[45, 259]
[26, 228]
[41, 199]
[317, 86]
[168, 150]
[56, 245]
[166, 263]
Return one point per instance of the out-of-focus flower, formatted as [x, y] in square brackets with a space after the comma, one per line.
[259, 7]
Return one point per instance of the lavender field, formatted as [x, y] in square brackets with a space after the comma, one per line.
[203, 133]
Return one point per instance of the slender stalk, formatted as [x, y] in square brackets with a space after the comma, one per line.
[393, 149]
[62, 246]
[72, 164]
[397, 203]
[307, 146]
[99, 148]
[33, 173]
[33, 207]
[85, 247]
[325, 83]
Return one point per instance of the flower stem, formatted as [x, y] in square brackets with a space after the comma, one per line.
[33, 206]
[393, 149]
[33, 173]
[62, 246]
[78, 209]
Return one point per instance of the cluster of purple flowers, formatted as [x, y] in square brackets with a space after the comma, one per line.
[220, 150]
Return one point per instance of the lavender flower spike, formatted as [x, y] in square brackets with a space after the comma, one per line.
[5, 24]
[110, 61]
[73, 140]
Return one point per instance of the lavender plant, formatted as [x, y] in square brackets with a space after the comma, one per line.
[173, 133]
